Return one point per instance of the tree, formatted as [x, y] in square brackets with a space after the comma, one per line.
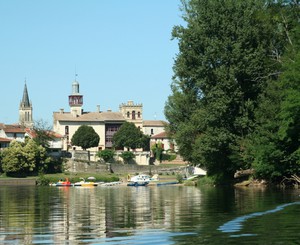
[127, 156]
[24, 158]
[129, 136]
[42, 134]
[157, 150]
[85, 137]
[106, 154]
[273, 149]
[226, 56]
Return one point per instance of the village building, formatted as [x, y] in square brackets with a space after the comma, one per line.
[65, 124]
[105, 123]
[24, 128]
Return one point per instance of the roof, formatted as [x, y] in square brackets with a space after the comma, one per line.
[162, 135]
[89, 116]
[13, 128]
[32, 133]
[4, 140]
[154, 123]
[25, 100]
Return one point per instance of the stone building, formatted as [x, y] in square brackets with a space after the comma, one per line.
[105, 123]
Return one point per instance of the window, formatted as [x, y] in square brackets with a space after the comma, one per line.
[128, 114]
[152, 131]
[133, 115]
[66, 130]
[139, 114]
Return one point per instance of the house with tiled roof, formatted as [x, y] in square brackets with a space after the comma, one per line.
[153, 127]
[166, 142]
[12, 132]
[4, 142]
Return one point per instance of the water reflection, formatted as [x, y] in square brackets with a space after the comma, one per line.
[129, 215]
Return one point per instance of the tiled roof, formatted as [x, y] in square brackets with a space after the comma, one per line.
[162, 135]
[89, 116]
[154, 123]
[4, 140]
[13, 129]
[32, 133]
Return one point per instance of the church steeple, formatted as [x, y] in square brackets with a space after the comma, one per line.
[25, 100]
[25, 109]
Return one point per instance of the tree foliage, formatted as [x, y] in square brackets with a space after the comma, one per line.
[230, 54]
[42, 133]
[85, 137]
[131, 137]
[24, 158]
[127, 156]
[106, 154]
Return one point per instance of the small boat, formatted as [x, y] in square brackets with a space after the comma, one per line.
[138, 183]
[62, 183]
[142, 177]
[84, 183]
[114, 183]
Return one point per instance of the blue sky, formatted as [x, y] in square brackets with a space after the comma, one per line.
[120, 49]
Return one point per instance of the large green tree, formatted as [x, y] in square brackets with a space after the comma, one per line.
[130, 136]
[228, 51]
[24, 158]
[85, 137]
[273, 148]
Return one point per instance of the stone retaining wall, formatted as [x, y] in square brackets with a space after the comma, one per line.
[118, 168]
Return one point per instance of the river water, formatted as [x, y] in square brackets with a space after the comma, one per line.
[149, 215]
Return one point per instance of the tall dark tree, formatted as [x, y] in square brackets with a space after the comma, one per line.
[226, 56]
[273, 149]
[85, 137]
[129, 136]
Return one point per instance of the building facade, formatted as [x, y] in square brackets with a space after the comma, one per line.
[105, 123]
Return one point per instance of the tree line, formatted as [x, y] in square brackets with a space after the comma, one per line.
[235, 101]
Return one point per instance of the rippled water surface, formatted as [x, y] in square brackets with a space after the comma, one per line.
[149, 215]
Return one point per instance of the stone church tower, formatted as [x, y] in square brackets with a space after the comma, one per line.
[25, 110]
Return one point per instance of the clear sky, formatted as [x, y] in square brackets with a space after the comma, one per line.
[120, 49]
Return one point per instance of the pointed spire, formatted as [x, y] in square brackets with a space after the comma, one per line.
[25, 100]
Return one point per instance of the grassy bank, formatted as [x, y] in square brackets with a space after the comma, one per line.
[75, 177]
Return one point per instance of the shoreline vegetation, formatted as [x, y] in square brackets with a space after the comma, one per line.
[47, 179]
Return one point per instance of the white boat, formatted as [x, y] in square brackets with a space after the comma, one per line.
[143, 178]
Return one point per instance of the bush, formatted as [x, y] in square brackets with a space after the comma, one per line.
[106, 154]
[127, 156]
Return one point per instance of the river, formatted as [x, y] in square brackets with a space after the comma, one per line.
[149, 215]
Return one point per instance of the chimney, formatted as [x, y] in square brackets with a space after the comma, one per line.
[61, 111]
[98, 109]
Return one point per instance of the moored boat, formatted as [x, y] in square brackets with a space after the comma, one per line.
[138, 183]
[84, 183]
[62, 183]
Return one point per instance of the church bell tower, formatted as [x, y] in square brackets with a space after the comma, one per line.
[25, 110]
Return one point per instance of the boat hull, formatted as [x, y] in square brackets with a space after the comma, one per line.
[138, 184]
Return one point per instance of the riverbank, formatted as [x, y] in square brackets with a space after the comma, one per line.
[18, 182]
